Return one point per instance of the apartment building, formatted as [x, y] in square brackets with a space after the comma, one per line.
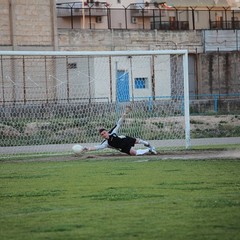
[169, 15]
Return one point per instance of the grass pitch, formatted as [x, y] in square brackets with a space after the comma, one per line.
[124, 198]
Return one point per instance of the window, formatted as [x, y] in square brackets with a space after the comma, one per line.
[219, 22]
[134, 20]
[98, 19]
[76, 9]
[140, 83]
[72, 65]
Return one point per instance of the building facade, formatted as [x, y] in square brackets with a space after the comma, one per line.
[180, 15]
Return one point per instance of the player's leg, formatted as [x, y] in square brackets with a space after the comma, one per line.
[152, 150]
[146, 144]
[138, 152]
[141, 141]
[129, 143]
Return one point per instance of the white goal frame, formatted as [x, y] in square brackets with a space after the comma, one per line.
[183, 53]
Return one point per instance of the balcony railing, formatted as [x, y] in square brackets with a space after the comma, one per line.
[74, 12]
[139, 12]
[224, 25]
[166, 25]
[145, 17]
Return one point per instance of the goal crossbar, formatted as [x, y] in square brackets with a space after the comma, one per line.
[92, 53]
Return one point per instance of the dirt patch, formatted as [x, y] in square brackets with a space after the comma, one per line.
[181, 155]
[205, 155]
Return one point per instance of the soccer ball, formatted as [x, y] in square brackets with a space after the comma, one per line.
[77, 148]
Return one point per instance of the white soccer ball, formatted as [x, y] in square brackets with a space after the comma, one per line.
[77, 148]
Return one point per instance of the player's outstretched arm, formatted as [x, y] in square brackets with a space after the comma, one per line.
[90, 148]
[97, 147]
[121, 120]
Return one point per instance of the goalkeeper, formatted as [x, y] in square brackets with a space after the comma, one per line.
[124, 144]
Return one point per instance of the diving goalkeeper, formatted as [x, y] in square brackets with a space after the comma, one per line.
[123, 144]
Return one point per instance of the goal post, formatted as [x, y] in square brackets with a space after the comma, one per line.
[186, 101]
[52, 99]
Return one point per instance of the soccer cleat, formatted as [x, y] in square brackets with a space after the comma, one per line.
[147, 145]
[152, 150]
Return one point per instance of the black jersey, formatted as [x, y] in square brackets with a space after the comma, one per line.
[115, 141]
[122, 143]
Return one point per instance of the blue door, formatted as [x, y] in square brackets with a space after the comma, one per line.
[122, 86]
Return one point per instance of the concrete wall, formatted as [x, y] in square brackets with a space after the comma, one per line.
[222, 40]
[87, 40]
[219, 73]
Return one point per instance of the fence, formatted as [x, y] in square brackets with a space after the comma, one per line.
[199, 104]
[215, 103]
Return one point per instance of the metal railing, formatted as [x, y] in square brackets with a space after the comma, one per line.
[92, 16]
[200, 103]
[223, 25]
[166, 25]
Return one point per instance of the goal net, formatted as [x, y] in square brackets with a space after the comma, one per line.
[53, 100]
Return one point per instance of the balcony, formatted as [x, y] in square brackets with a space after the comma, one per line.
[166, 25]
[70, 14]
[224, 25]
[73, 11]
[139, 12]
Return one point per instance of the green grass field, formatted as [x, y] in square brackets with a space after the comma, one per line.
[123, 198]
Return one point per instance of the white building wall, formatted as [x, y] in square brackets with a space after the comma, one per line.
[102, 79]
[142, 69]
[105, 79]
[163, 76]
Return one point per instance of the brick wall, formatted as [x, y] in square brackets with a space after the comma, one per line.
[5, 26]
[27, 23]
